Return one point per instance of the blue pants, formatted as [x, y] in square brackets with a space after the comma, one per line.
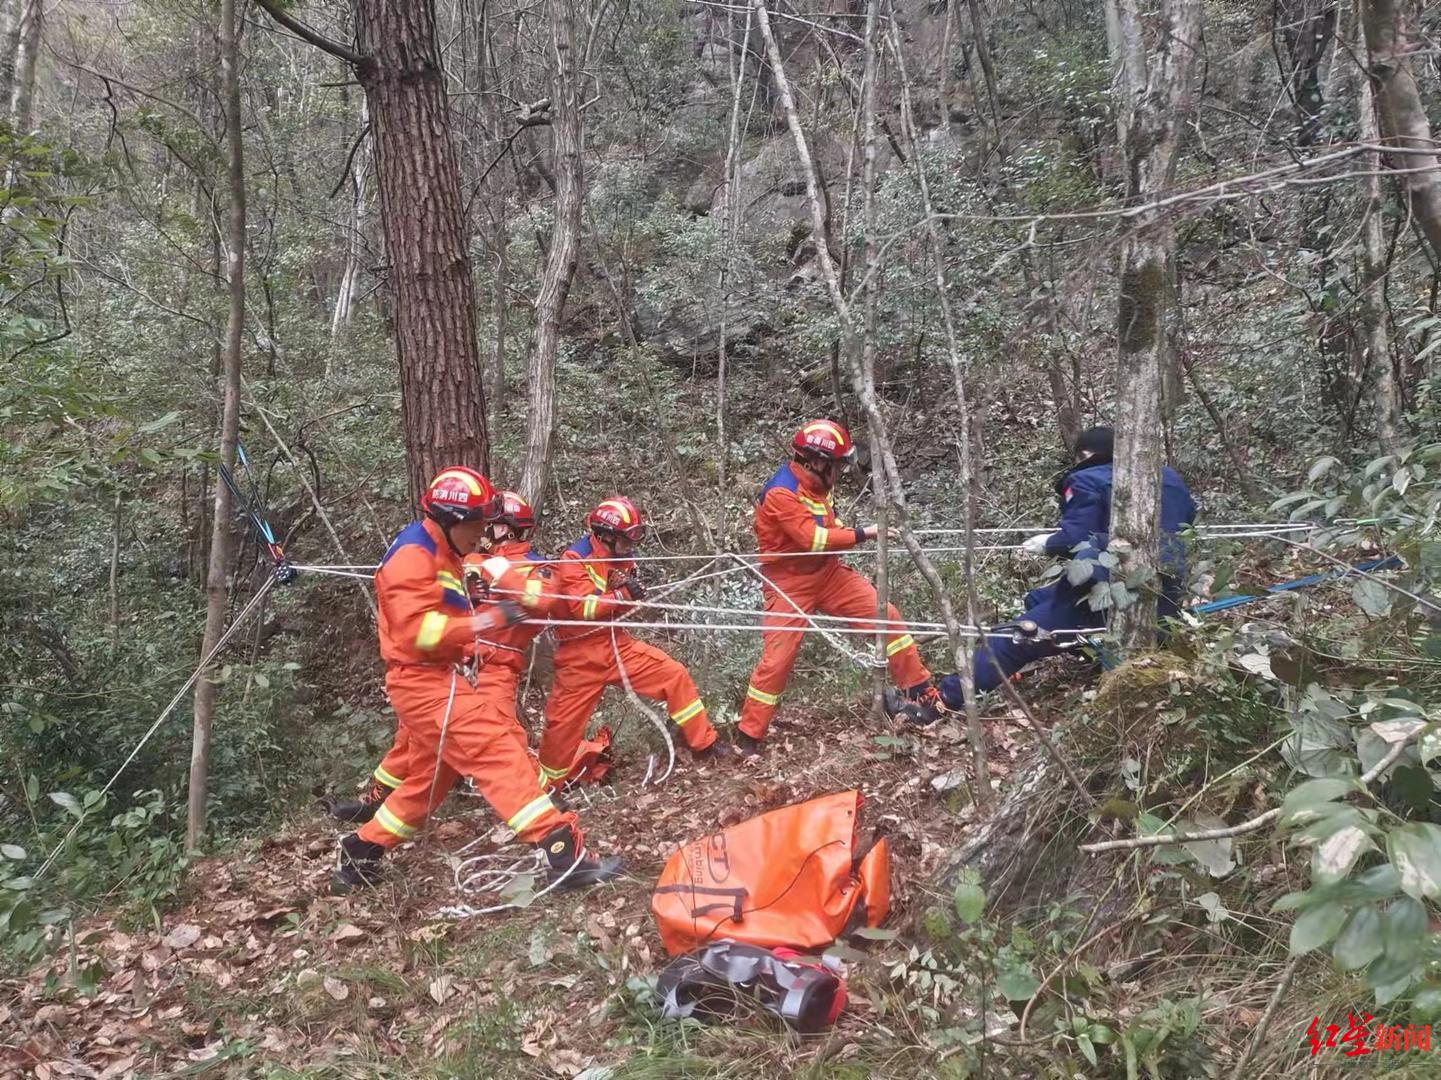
[1052, 607]
[997, 659]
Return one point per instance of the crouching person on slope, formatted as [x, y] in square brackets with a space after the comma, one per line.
[1084, 493]
[427, 625]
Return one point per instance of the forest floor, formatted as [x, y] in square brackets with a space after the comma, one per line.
[257, 970]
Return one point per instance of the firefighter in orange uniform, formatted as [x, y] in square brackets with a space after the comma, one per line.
[428, 625]
[507, 535]
[799, 538]
[597, 577]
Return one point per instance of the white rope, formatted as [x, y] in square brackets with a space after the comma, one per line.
[864, 660]
[164, 715]
[440, 746]
[1225, 531]
[646, 711]
[498, 880]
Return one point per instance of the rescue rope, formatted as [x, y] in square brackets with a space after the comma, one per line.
[646, 711]
[205, 662]
[863, 659]
[1232, 531]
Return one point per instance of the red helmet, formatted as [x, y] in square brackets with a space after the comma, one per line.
[823, 439]
[619, 516]
[516, 512]
[460, 494]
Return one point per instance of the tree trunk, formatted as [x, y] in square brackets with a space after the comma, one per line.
[442, 401]
[354, 242]
[1307, 28]
[1155, 92]
[1403, 116]
[215, 597]
[1376, 345]
[30, 20]
[567, 138]
[10, 11]
[988, 67]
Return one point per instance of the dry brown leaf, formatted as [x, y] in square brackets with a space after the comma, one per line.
[336, 988]
[183, 936]
[347, 932]
[441, 987]
[118, 1067]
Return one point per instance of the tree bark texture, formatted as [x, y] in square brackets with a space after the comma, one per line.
[1376, 343]
[1307, 28]
[442, 400]
[567, 142]
[1403, 117]
[1153, 112]
[29, 19]
[206, 689]
[9, 45]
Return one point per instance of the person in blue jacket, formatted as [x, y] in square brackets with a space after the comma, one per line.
[1084, 491]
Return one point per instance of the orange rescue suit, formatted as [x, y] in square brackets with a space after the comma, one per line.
[427, 627]
[587, 660]
[798, 536]
[497, 653]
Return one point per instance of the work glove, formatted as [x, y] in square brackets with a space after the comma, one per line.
[1036, 545]
[632, 587]
[873, 532]
[503, 615]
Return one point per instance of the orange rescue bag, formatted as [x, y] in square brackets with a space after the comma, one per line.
[792, 877]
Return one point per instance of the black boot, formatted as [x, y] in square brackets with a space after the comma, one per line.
[568, 859]
[747, 746]
[359, 811]
[359, 865]
[717, 752]
[921, 705]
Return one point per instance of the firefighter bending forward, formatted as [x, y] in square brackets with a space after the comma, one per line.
[799, 538]
[596, 576]
[427, 625]
[507, 535]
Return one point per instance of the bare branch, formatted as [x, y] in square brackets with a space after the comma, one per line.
[1260, 821]
[308, 34]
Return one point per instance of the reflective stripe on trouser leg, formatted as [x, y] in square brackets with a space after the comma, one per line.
[851, 596]
[655, 674]
[582, 670]
[407, 808]
[773, 670]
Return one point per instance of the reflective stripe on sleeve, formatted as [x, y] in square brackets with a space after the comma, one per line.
[762, 696]
[392, 824]
[530, 812]
[533, 588]
[587, 609]
[432, 629]
[818, 538]
[905, 641]
[690, 712]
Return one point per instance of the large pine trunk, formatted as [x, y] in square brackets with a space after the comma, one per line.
[442, 400]
[567, 138]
